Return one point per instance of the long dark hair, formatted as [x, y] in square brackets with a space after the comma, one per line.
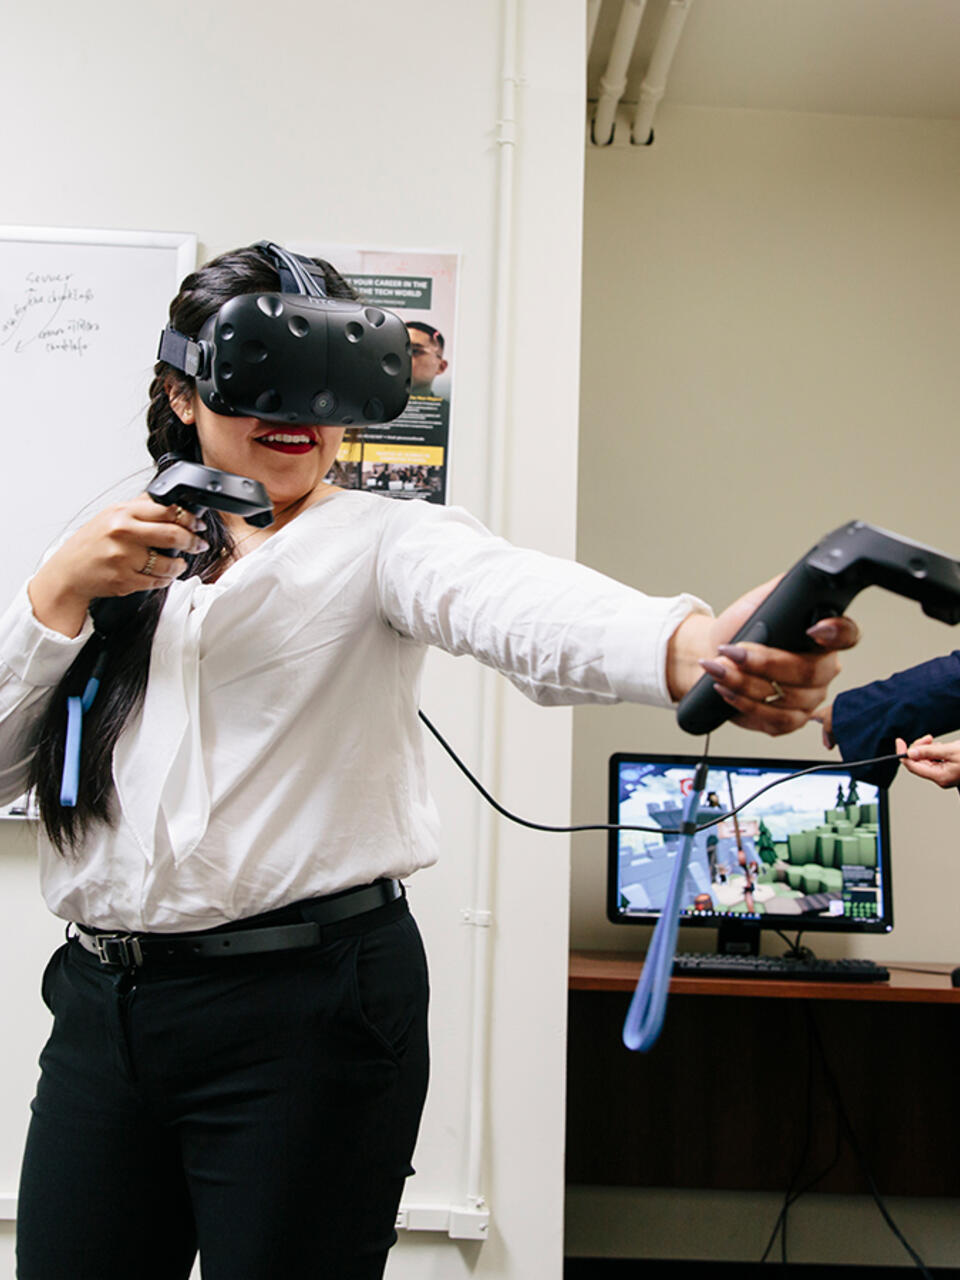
[124, 679]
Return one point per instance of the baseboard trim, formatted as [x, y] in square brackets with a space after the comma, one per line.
[660, 1269]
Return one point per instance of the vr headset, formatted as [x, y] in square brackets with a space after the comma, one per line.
[297, 355]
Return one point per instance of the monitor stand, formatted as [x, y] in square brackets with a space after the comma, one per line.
[738, 938]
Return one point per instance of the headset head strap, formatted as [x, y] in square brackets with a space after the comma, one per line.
[297, 273]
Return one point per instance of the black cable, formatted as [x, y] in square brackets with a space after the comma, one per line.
[800, 773]
[791, 1196]
[794, 949]
[844, 1128]
[912, 968]
[780, 1226]
[622, 826]
[846, 1131]
[852, 1141]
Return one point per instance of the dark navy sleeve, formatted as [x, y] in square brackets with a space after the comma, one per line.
[924, 699]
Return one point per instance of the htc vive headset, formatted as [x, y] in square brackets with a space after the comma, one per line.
[297, 355]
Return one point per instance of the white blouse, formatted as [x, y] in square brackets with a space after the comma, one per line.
[277, 754]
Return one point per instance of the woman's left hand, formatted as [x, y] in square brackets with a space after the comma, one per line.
[937, 761]
[768, 690]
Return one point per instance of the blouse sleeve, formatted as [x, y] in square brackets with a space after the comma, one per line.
[33, 660]
[562, 633]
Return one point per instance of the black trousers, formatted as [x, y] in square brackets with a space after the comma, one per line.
[263, 1109]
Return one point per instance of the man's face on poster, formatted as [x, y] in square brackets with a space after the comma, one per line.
[426, 362]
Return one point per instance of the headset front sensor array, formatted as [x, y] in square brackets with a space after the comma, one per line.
[296, 359]
[297, 355]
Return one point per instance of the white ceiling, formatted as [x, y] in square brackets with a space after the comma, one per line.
[849, 57]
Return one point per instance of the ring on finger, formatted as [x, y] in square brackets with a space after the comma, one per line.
[178, 512]
[778, 695]
[147, 569]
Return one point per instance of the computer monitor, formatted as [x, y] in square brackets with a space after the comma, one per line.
[810, 853]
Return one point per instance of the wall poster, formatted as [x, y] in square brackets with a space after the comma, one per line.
[406, 458]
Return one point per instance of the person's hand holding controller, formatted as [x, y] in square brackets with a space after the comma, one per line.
[114, 554]
[770, 690]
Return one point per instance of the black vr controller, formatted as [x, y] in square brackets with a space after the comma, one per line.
[821, 585]
[196, 488]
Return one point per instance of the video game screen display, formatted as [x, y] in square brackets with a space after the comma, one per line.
[810, 853]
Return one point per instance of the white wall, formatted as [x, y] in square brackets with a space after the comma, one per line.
[769, 350]
[770, 335]
[369, 123]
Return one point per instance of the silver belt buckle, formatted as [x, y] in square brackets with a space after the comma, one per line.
[118, 948]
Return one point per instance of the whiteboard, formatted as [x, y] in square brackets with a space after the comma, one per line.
[80, 318]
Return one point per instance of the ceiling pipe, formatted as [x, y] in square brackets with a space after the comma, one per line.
[654, 82]
[593, 13]
[614, 80]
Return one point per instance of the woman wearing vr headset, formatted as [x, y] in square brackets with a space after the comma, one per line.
[239, 1058]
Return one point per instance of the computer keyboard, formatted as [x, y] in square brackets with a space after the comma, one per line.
[786, 968]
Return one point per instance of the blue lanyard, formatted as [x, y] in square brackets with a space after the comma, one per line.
[76, 707]
[649, 1004]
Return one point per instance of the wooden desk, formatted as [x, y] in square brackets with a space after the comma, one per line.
[735, 1091]
[915, 982]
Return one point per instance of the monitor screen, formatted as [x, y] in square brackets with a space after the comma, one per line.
[810, 853]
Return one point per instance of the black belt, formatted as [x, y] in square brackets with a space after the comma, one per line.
[131, 950]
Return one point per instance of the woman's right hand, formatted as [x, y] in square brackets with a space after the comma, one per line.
[113, 555]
